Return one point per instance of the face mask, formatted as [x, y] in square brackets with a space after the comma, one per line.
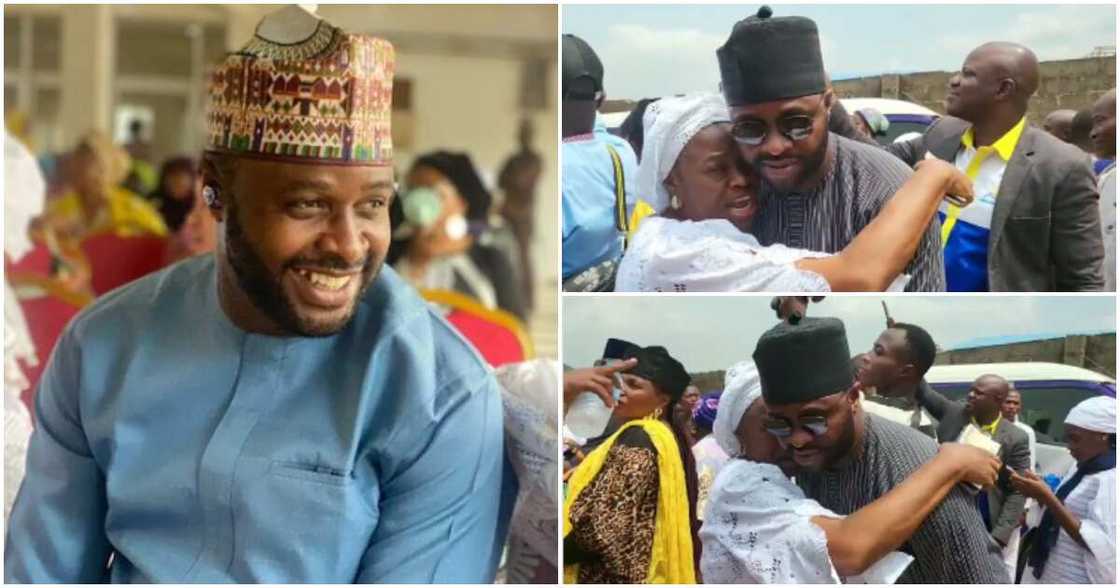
[455, 227]
[421, 207]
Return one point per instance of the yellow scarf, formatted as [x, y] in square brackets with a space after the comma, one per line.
[671, 560]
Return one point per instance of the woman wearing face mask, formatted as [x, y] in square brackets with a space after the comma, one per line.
[704, 193]
[1076, 541]
[441, 222]
[759, 527]
[630, 512]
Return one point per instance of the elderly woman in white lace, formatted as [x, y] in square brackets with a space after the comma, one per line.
[704, 193]
[759, 527]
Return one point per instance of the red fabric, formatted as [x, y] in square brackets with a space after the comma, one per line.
[498, 344]
[115, 261]
[46, 318]
[37, 261]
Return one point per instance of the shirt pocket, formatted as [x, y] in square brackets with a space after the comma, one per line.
[317, 519]
[319, 474]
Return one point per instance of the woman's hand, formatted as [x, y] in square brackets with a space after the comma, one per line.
[958, 188]
[976, 466]
[1030, 485]
[598, 380]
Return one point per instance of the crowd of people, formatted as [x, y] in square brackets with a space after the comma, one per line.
[809, 466]
[771, 185]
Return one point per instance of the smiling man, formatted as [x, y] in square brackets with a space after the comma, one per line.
[286, 410]
[818, 189]
[846, 458]
[1034, 225]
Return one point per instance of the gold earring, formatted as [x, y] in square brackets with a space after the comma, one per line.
[657, 413]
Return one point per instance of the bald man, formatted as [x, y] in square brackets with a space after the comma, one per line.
[1060, 124]
[1001, 506]
[1103, 136]
[1034, 225]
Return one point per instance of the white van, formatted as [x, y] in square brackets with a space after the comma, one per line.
[1049, 391]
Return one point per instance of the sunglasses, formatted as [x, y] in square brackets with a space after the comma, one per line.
[783, 429]
[796, 127]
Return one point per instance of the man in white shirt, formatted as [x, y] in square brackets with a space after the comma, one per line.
[1012, 405]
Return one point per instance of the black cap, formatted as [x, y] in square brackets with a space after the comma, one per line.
[580, 61]
[656, 365]
[803, 362]
[767, 59]
[617, 348]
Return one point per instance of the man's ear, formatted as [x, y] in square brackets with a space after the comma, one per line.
[212, 189]
[852, 396]
[1007, 89]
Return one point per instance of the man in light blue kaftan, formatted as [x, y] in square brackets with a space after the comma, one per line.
[280, 411]
[193, 451]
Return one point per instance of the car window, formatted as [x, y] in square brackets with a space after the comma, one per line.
[1044, 408]
[899, 128]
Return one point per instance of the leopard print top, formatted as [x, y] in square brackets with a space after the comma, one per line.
[613, 519]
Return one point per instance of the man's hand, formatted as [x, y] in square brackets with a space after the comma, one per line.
[792, 308]
[598, 380]
[976, 466]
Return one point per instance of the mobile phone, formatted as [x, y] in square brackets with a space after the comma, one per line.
[1004, 478]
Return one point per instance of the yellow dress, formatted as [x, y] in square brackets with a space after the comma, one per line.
[125, 214]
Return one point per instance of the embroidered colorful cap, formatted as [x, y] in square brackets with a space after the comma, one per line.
[325, 99]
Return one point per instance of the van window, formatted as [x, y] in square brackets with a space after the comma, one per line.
[1044, 408]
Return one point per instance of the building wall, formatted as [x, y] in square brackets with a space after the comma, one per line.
[1069, 83]
[1094, 352]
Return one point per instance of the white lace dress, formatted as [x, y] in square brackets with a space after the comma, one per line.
[17, 420]
[668, 255]
[529, 399]
[757, 530]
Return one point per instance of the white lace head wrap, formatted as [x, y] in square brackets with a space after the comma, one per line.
[669, 124]
[742, 387]
[1096, 414]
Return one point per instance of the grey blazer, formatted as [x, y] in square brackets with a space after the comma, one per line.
[1045, 233]
[1004, 504]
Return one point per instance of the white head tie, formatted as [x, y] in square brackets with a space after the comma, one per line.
[669, 124]
[742, 387]
[1096, 414]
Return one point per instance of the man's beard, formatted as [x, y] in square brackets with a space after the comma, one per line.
[810, 164]
[266, 291]
[834, 454]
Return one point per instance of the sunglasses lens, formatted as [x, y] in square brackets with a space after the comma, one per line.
[815, 427]
[779, 429]
[797, 128]
[751, 133]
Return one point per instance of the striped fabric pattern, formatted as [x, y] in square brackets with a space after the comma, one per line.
[861, 180]
[951, 546]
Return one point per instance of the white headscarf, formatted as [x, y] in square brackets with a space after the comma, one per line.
[742, 387]
[1097, 414]
[668, 125]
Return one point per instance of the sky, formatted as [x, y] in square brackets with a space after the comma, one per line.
[657, 50]
[713, 332]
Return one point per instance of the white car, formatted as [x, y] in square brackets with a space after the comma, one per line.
[1049, 391]
[905, 117]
